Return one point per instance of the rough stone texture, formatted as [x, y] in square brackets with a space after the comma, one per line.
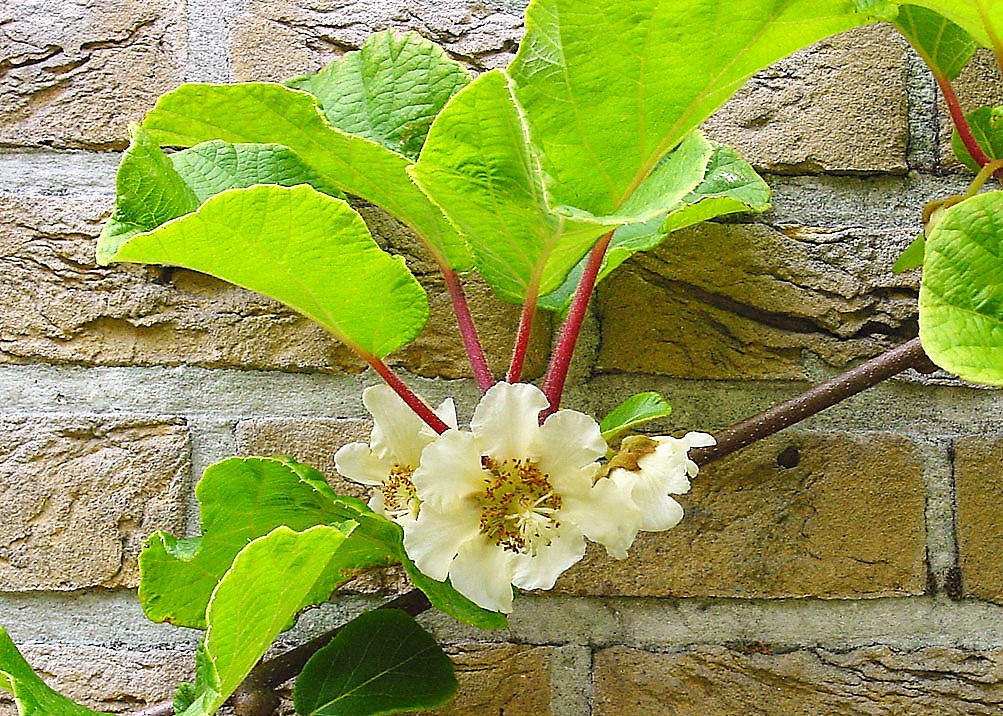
[978, 477]
[977, 85]
[769, 297]
[844, 521]
[870, 681]
[79, 496]
[112, 680]
[76, 72]
[839, 106]
[276, 39]
[57, 306]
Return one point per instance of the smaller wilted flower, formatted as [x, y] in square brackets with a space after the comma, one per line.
[388, 462]
[651, 469]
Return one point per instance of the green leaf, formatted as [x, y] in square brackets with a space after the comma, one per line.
[241, 499]
[961, 296]
[729, 186]
[608, 87]
[987, 128]
[912, 257]
[478, 167]
[32, 696]
[447, 600]
[270, 581]
[264, 113]
[982, 19]
[944, 46]
[306, 249]
[880, 9]
[389, 91]
[635, 410]
[381, 662]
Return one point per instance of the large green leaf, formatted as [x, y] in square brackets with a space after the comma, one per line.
[241, 499]
[32, 696]
[729, 186]
[610, 86]
[269, 582]
[264, 113]
[961, 296]
[153, 188]
[309, 250]
[381, 662]
[944, 46]
[982, 19]
[478, 167]
[389, 91]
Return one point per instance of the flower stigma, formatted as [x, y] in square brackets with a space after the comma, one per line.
[518, 505]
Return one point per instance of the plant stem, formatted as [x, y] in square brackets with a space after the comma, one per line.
[468, 331]
[522, 337]
[960, 123]
[407, 395]
[815, 400]
[560, 361]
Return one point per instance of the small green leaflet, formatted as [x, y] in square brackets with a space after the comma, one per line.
[944, 46]
[381, 662]
[961, 296]
[912, 257]
[32, 695]
[241, 499]
[987, 128]
[389, 91]
[270, 581]
[636, 410]
[306, 249]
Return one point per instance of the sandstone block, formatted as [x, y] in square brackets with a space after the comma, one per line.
[829, 515]
[276, 39]
[769, 298]
[721, 681]
[838, 106]
[978, 477]
[76, 72]
[79, 496]
[113, 680]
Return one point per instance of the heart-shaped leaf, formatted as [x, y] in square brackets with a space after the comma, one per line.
[944, 46]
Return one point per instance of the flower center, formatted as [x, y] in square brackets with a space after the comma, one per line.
[518, 505]
[399, 495]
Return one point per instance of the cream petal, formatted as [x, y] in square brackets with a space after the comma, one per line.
[358, 463]
[608, 515]
[698, 440]
[482, 572]
[450, 469]
[447, 412]
[570, 439]
[507, 419]
[377, 504]
[399, 435]
[567, 546]
[658, 510]
[433, 539]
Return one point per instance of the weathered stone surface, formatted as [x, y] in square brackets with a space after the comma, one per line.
[977, 85]
[870, 681]
[79, 496]
[768, 298]
[978, 478]
[276, 39]
[110, 680]
[76, 72]
[838, 106]
[844, 520]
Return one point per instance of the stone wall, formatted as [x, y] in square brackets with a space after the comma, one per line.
[851, 566]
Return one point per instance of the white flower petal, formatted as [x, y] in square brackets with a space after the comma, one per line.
[608, 514]
[447, 413]
[433, 540]
[699, 440]
[358, 463]
[658, 510]
[399, 435]
[450, 469]
[566, 547]
[377, 504]
[507, 419]
[570, 439]
[482, 573]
